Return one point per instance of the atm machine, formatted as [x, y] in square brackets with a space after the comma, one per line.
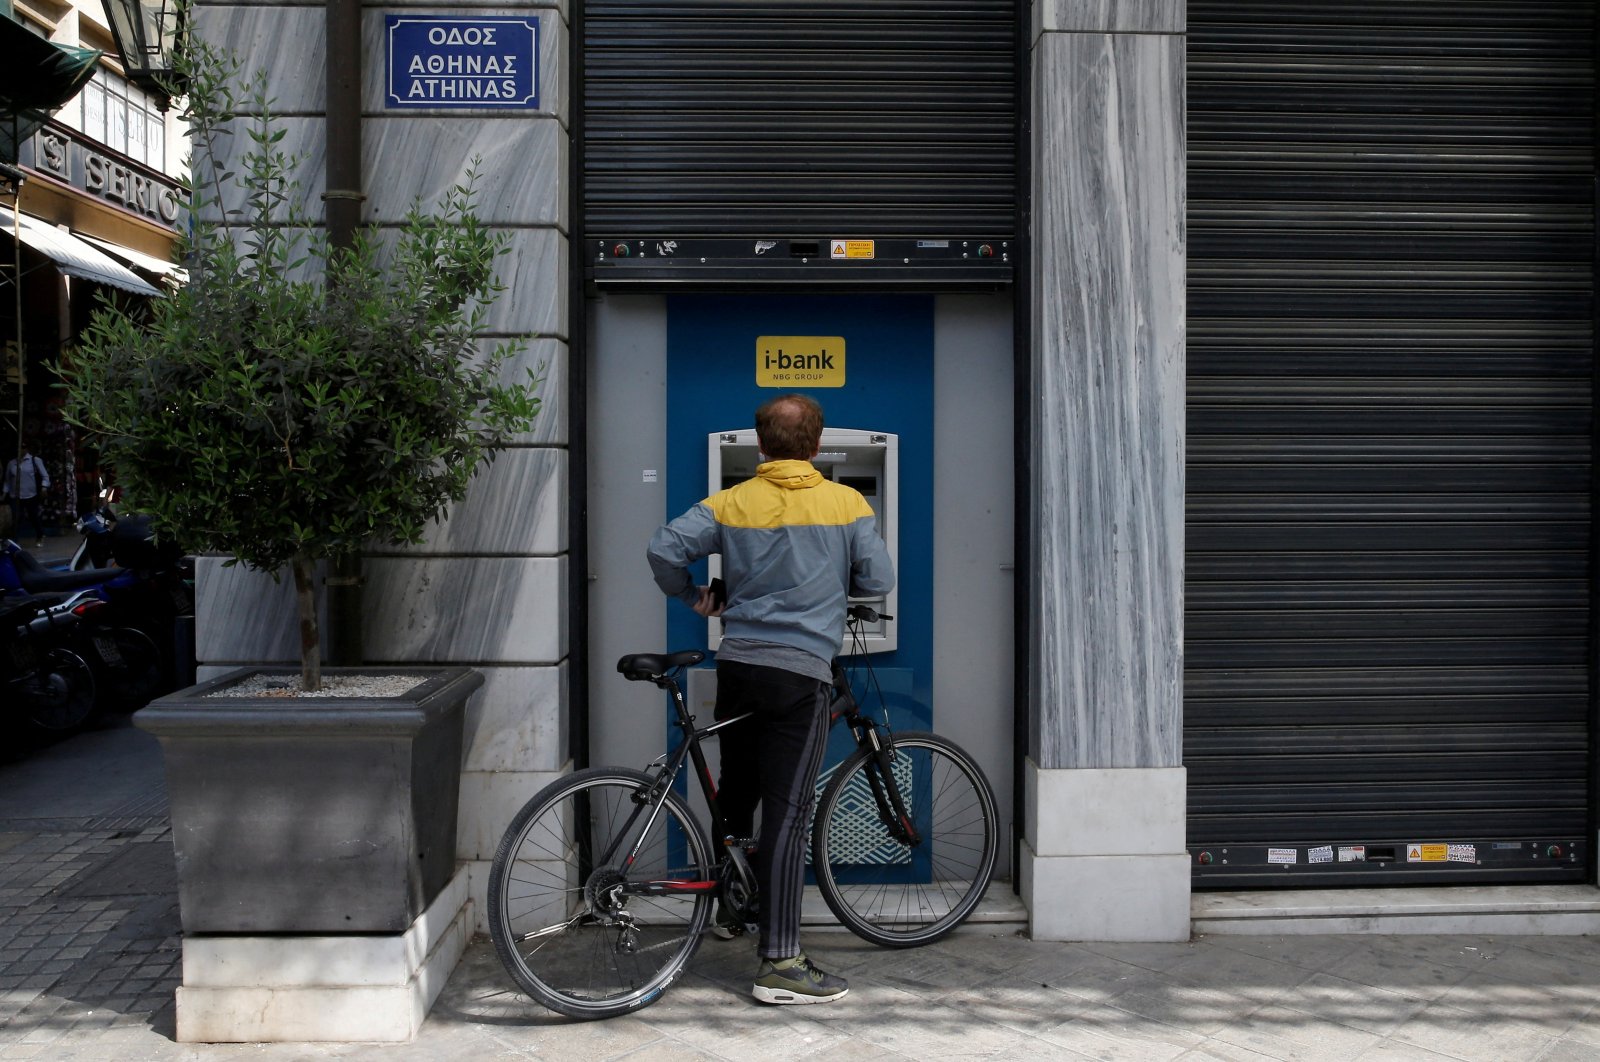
[868, 461]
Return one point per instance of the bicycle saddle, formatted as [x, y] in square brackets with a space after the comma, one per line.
[645, 666]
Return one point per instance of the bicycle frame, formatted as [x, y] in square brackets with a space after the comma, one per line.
[652, 800]
[867, 733]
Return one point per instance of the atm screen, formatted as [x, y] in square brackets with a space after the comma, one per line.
[867, 485]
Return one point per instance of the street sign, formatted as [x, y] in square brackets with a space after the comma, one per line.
[477, 62]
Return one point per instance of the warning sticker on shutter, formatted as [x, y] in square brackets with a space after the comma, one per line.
[852, 248]
[1283, 855]
[1427, 853]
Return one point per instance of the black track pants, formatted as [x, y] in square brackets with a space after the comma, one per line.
[772, 759]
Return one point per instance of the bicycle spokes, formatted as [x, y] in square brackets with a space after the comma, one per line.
[590, 910]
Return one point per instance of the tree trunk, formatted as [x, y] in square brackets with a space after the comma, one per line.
[305, 593]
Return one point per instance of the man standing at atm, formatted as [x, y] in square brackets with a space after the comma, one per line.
[794, 546]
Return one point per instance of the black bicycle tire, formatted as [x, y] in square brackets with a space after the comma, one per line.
[501, 931]
[66, 663]
[832, 894]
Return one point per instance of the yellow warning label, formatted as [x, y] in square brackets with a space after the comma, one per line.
[852, 248]
[799, 361]
[1427, 853]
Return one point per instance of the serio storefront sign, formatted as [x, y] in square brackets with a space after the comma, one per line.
[446, 62]
[67, 156]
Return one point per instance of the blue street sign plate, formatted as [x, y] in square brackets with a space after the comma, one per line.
[483, 62]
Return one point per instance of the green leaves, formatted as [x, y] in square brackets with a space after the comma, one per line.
[289, 403]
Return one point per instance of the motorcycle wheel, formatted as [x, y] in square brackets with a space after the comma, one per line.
[59, 695]
[139, 673]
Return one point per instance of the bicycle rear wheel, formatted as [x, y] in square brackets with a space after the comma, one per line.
[563, 920]
[884, 890]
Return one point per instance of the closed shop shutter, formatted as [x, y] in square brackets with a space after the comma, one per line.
[1391, 352]
[755, 133]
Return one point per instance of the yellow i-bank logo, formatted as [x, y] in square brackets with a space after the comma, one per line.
[799, 361]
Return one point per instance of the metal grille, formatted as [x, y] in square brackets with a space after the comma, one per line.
[1391, 304]
[764, 119]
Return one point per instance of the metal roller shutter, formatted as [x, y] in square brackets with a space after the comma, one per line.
[1391, 353]
[709, 126]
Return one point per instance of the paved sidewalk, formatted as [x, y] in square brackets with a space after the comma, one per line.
[89, 952]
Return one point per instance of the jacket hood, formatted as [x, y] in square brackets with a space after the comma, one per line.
[789, 474]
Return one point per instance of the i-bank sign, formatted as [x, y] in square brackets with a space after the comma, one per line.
[488, 61]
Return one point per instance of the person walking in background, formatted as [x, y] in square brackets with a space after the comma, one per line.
[794, 545]
[26, 480]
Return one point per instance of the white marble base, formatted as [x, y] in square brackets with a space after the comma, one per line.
[323, 988]
[1122, 811]
[1508, 910]
[1106, 898]
[1103, 854]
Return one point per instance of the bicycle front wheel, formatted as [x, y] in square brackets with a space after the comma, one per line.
[564, 910]
[889, 888]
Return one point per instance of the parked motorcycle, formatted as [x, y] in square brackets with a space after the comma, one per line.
[138, 603]
[50, 685]
[96, 527]
[128, 665]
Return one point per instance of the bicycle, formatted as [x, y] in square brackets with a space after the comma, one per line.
[603, 884]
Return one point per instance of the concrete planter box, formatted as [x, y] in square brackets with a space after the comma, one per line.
[313, 816]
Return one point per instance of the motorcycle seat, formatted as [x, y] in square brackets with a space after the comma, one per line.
[37, 579]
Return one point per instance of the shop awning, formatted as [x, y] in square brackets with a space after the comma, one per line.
[73, 256]
[39, 75]
[138, 259]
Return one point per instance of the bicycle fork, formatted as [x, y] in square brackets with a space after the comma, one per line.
[885, 791]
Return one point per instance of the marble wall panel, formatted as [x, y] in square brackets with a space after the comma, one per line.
[546, 358]
[555, 6]
[1108, 301]
[515, 505]
[466, 610]
[560, 7]
[283, 40]
[1110, 16]
[489, 801]
[243, 616]
[516, 721]
[521, 164]
[305, 144]
[534, 273]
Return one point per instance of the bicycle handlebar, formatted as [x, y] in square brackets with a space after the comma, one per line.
[866, 614]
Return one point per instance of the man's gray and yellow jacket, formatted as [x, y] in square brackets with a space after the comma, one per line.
[793, 545]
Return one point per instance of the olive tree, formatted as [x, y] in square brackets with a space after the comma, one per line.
[290, 404]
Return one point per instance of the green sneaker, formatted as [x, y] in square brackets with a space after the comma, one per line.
[796, 980]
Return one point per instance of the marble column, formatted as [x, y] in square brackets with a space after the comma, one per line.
[487, 588]
[1103, 855]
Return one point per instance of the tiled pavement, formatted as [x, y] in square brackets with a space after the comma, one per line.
[89, 950]
[89, 938]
